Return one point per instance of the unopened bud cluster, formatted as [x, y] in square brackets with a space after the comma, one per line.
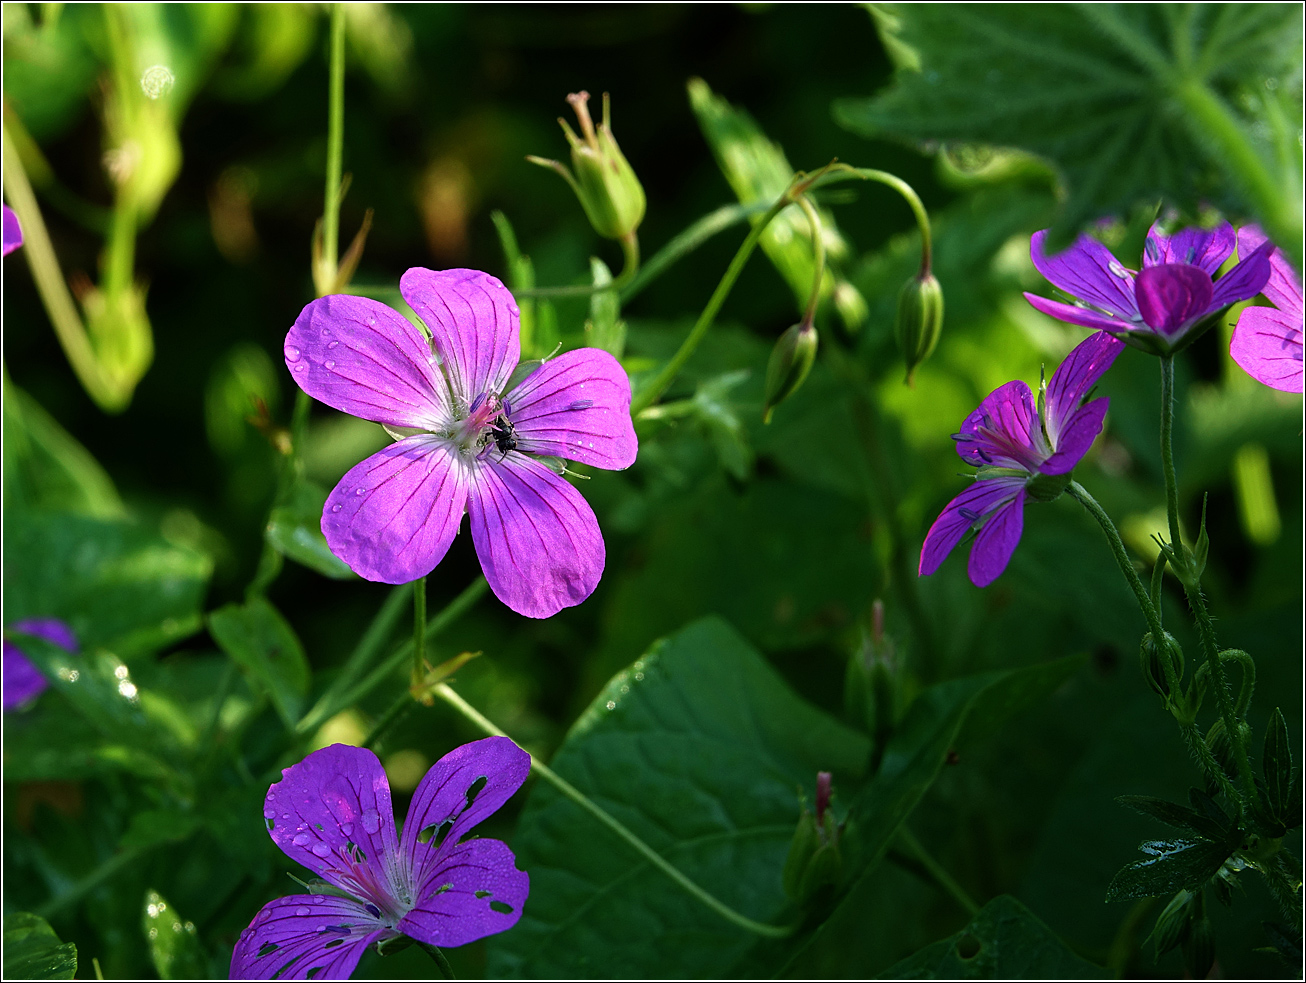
[814, 861]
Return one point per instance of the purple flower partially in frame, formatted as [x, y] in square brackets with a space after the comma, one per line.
[1267, 343]
[23, 682]
[1155, 308]
[332, 814]
[466, 443]
[13, 232]
[1024, 449]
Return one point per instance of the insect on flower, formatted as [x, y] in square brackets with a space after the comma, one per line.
[465, 440]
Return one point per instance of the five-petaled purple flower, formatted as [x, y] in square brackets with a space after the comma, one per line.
[1154, 308]
[13, 232]
[23, 682]
[393, 517]
[1268, 342]
[1026, 449]
[332, 813]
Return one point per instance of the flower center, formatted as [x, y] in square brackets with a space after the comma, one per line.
[487, 426]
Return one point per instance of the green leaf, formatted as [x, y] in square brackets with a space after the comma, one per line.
[118, 585]
[702, 750]
[46, 468]
[757, 170]
[1172, 814]
[295, 530]
[1004, 941]
[1131, 102]
[1171, 865]
[174, 943]
[1276, 764]
[261, 640]
[152, 827]
[605, 329]
[33, 952]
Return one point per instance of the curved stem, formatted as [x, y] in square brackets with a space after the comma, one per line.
[839, 172]
[818, 260]
[1080, 494]
[687, 241]
[335, 143]
[650, 393]
[1200, 750]
[936, 871]
[446, 971]
[446, 693]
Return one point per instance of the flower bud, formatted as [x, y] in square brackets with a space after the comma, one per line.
[1198, 949]
[1172, 924]
[791, 360]
[814, 861]
[604, 182]
[1150, 655]
[873, 680]
[920, 320]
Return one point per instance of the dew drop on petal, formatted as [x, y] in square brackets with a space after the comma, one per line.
[337, 508]
[301, 839]
[371, 820]
[347, 828]
[359, 490]
[326, 332]
[292, 353]
[269, 813]
[300, 367]
[332, 345]
[330, 364]
[321, 850]
[302, 911]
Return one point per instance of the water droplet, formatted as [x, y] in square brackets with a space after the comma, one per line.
[326, 332]
[301, 839]
[292, 353]
[347, 829]
[332, 345]
[300, 367]
[321, 850]
[371, 820]
[330, 364]
[582, 404]
[359, 490]
[302, 911]
[611, 704]
[269, 813]
[337, 508]
[371, 322]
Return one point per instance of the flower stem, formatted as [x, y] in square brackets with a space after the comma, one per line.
[689, 240]
[1167, 452]
[630, 252]
[842, 172]
[650, 393]
[446, 693]
[335, 143]
[446, 971]
[936, 871]
[419, 630]
[818, 258]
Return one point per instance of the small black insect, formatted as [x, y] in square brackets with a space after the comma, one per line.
[504, 434]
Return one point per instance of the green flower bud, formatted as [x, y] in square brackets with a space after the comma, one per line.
[1172, 924]
[873, 681]
[791, 360]
[604, 182]
[1198, 949]
[1150, 655]
[814, 861]
[920, 320]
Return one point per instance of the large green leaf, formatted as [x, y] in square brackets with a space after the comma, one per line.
[33, 952]
[1170, 865]
[118, 585]
[262, 641]
[702, 750]
[1004, 941]
[295, 530]
[1133, 102]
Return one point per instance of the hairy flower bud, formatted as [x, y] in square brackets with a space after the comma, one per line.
[873, 680]
[604, 181]
[814, 861]
[919, 321]
[791, 360]
[1150, 656]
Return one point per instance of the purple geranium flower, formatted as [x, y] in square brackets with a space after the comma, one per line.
[1023, 448]
[332, 813]
[13, 232]
[23, 682]
[1267, 342]
[466, 441]
[1155, 308]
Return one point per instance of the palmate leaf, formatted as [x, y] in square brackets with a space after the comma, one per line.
[1132, 102]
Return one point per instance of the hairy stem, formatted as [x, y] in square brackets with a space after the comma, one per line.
[335, 143]
[446, 693]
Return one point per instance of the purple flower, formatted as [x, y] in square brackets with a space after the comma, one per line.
[466, 441]
[13, 232]
[331, 813]
[1155, 308]
[23, 682]
[1024, 449]
[1267, 343]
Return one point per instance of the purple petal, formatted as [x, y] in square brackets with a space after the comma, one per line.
[1080, 431]
[536, 536]
[474, 323]
[1087, 270]
[461, 789]
[1072, 314]
[13, 232]
[996, 542]
[1172, 296]
[1283, 289]
[393, 516]
[332, 813]
[1074, 377]
[1004, 430]
[52, 630]
[1205, 248]
[364, 359]
[476, 891]
[23, 682]
[305, 936]
[1267, 344]
[1245, 280]
[577, 406]
[959, 515]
